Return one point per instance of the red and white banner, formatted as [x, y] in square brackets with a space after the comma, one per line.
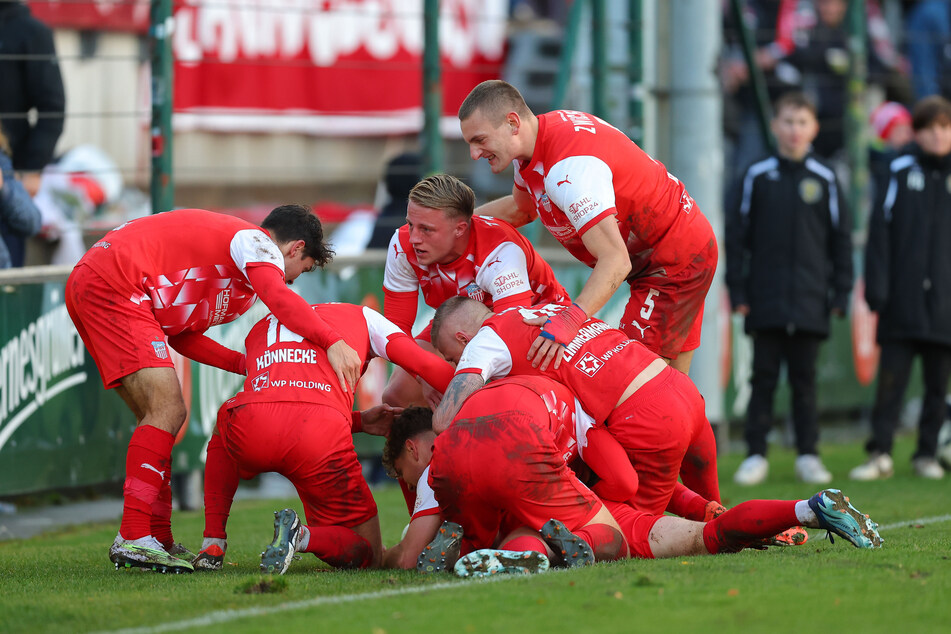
[337, 67]
[98, 15]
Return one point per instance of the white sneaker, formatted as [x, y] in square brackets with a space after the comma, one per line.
[878, 467]
[927, 468]
[809, 468]
[752, 471]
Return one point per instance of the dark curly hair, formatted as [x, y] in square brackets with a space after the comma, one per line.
[412, 422]
[298, 222]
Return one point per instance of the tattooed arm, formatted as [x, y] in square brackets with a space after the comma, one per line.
[461, 386]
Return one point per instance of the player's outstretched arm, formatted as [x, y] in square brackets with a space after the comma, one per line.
[420, 532]
[461, 386]
[377, 420]
[605, 243]
[606, 457]
[517, 209]
[207, 351]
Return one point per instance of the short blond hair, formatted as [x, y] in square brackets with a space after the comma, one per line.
[494, 98]
[445, 192]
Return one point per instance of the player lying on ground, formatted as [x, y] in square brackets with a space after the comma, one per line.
[499, 472]
[412, 446]
[443, 251]
[293, 418]
[654, 411]
[164, 280]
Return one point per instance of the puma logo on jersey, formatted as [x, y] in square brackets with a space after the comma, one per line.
[146, 465]
[560, 183]
[639, 327]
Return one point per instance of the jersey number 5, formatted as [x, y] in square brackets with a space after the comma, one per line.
[648, 308]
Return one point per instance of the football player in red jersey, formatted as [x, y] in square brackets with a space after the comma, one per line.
[654, 411]
[510, 500]
[527, 442]
[164, 280]
[611, 205]
[293, 417]
[444, 251]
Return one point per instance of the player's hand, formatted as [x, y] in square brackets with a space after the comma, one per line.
[377, 421]
[742, 309]
[432, 396]
[559, 330]
[544, 352]
[346, 363]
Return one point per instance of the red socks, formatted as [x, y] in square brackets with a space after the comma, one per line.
[221, 482]
[161, 522]
[606, 542]
[147, 470]
[748, 524]
[687, 504]
[339, 546]
[524, 543]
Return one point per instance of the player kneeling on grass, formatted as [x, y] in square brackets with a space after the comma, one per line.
[293, 418]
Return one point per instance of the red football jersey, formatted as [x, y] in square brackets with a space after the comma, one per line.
[583, 169]
[499, 266]
[568, 421]
[598, 364]
[283, 366]
[189, 264]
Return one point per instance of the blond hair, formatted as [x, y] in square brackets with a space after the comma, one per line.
[445, 192]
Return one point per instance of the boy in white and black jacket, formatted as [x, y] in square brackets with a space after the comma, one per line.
[789, 264]
[908, 283]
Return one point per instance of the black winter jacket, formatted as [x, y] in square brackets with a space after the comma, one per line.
[29, 83]
[789, 245]
[908, 256]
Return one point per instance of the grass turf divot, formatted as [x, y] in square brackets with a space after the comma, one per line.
[262, 585]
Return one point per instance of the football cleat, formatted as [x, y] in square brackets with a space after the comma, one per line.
[212, 554]
[180, 551]
[571, 549]
[287, 534]
[837, 515]
[795, 536]
[488, 562]
[441, 553]
[146, 553]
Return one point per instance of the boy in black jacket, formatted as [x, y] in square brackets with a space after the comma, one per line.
[789, 263]
[908, 283]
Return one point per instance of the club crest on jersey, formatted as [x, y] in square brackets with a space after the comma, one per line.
[589, 364]
[810, 191]
[161, 350]
[474, 291]
[545, 202]
[260, 382]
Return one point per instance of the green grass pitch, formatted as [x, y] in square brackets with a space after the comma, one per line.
[63, 582]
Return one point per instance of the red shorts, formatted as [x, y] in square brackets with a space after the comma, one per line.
[663, 428]
[496, 468]
[665, 311]
[636, 526]
[122, 337]
[311, 445]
